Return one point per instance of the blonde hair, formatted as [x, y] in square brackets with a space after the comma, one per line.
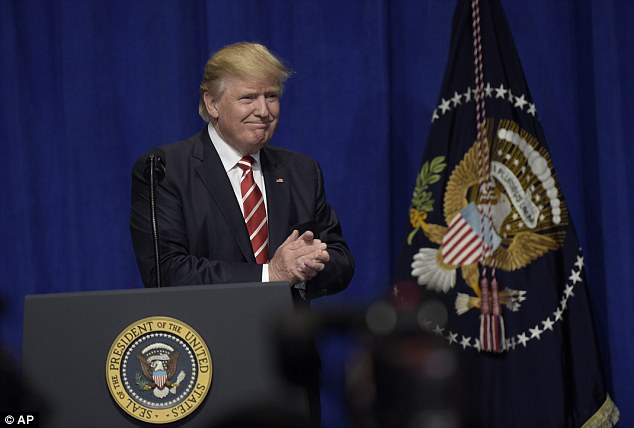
[242, 59]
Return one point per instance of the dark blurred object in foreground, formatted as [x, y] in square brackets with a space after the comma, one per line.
[402, 376]
[17, 396]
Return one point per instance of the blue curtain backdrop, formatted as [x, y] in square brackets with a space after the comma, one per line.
[88, 86]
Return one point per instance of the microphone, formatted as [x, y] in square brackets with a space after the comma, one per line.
[155, 162]
[155, 173]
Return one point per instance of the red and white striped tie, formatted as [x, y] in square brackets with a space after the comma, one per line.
[254, 211]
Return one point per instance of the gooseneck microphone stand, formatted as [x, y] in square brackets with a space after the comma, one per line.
[155, 172]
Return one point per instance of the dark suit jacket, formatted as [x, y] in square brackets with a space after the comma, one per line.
[203, 237]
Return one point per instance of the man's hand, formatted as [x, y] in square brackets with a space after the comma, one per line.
[299, 258]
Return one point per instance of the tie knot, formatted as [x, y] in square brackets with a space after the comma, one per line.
[246, 163]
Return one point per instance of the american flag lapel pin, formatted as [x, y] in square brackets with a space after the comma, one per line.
[279, 180]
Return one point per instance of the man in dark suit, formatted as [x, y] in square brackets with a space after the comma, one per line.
[232, 208]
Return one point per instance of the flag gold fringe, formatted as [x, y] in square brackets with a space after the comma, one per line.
[607, 416]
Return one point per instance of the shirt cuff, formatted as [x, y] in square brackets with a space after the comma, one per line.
[265, 273]
[300, 286]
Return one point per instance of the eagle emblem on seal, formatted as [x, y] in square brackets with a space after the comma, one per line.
[159, 363]
[524, 211]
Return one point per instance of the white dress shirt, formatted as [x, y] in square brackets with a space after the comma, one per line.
[229, 158]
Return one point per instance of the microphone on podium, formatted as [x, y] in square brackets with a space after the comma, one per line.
[155, 173]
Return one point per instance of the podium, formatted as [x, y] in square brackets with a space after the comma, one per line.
[183, 356]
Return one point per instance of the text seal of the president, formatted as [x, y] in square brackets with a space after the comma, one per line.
[159, 370]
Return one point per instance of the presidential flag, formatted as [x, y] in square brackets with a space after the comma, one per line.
[491, 237]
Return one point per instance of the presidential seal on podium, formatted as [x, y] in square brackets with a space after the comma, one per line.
[159, 370]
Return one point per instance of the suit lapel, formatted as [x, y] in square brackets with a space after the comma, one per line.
[277, 199]
[212, 173]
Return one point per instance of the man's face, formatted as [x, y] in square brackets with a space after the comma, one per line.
[246, 112]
